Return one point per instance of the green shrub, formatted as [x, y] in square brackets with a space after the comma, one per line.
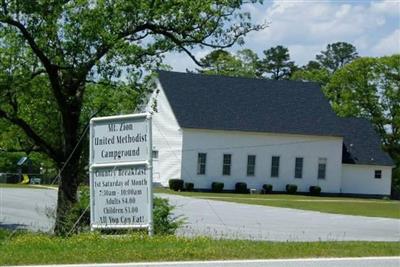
[291, 188]
[266, 188]
[164, 222]
[78, 219]
[13, 179]
[217, 187]
[4, 234]
[315, 190]
[241, 188]
[189, 186]
[175, 184]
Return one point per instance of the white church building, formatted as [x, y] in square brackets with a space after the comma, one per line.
[210, 128]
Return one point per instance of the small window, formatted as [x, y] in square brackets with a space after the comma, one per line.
[201, 163]
[275, 166]
[227, 162]
[298, 168]
[155, 154]
[251, 165]
[378, 174]
[321, 168]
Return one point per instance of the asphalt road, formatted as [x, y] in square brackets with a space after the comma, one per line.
[27, 208]
[344, 262]
[232, 220]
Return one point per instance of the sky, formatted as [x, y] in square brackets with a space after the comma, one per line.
[306, 27]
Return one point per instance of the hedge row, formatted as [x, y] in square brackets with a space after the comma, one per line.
[240, 187]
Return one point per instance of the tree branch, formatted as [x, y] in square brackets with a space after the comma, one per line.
[37, 73]
[22, 124]
[51, 69]
[29, 38]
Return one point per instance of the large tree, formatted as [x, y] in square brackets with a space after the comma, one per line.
[52, 50]
[219, 62]
[337, 55]
[369, 87]
[276, 63]
[242, 64]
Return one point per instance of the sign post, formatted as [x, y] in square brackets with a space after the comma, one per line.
[121, 194]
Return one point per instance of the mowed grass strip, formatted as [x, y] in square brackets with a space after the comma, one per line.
[93, 248]
[371, 209]
[337, 205]
[26, 186]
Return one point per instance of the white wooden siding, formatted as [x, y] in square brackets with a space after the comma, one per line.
[167, 138]
[360, 179]
[264, 146]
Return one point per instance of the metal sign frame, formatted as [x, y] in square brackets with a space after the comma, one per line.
[147, 163]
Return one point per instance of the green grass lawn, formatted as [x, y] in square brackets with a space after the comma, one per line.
[91, 248]
[338, 205]
[4, 185]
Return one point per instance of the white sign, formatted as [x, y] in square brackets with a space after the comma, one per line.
[121, 172]
[120, 139]
[120, 196]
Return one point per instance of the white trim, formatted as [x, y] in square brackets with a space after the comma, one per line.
[120, 164]
[121, 117]
[261, 133]
[159, 85]
[369, 165]
[119, 226]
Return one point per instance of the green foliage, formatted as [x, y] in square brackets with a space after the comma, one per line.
[396, 182]
[266, 188]
[291, 188]
[243, 64]
[217, 187]
[78, 219]
[241, 188]
[176, 184]
[336, 56]
[8, 161]
[276, 63]
[369, 88]
[320, 76]
[4, 234]
[315, 190]
[164, 222]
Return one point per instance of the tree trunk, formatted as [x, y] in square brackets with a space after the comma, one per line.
[67, 196]
[68, 186]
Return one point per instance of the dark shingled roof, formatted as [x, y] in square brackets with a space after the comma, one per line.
[257, 105]
[361, 143]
